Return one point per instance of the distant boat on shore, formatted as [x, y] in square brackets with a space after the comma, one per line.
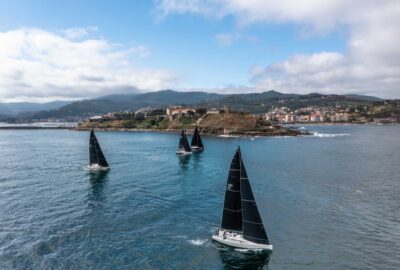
[184, 147]
[197, 143]
[96, 156]
[241, 225]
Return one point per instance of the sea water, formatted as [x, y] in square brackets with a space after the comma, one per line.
[328, 201]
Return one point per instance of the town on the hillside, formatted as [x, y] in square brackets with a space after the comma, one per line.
[379, 112]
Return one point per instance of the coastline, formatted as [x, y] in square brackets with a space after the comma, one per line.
[249, 134]
[338, 124]
[285, 126]
[31, 128]
[221, 124]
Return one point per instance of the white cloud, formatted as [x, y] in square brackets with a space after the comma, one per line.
[205, 7]
[40, 65]
[141, 51]
[370, 65]
[73, 33]
[79, 32]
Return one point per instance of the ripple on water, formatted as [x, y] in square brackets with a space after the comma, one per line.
[326, 203]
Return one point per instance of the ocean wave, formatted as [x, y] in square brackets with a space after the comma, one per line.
[302, 128]
[242, 249]
[329, 135]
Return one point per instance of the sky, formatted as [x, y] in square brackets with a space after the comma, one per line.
[67, 50]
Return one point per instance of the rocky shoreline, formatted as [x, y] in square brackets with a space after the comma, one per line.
[221, 124]
[216, 132]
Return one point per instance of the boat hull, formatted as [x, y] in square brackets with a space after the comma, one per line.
[236, 240]
[97, 167]
[197, 149]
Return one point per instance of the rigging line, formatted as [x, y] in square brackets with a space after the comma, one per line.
[253, 222]
[231, 210]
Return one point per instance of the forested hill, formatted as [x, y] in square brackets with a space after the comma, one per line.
[252, 102]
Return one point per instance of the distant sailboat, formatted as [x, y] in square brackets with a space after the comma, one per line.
[197, 143]
[184, 147]
[241, 224]
[97, 159]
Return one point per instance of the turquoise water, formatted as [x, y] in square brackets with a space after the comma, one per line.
[327, 201]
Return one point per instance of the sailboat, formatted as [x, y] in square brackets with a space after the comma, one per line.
[197, 143]
[184, 147]
[97, 159]
[241, 225]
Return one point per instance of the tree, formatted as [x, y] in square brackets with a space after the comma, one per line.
[139, 116]
[201, 111]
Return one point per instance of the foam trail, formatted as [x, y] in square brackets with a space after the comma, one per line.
[242, 250]
[329, 135]
[228, 136]
[198, 242]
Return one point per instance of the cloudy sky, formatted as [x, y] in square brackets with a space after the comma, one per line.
[62, 50]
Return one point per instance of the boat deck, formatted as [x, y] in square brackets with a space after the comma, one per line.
[235, 239]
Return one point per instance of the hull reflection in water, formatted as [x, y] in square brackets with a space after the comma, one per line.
[184, 160]
[233, 258]
[98, 179]
[97, 159]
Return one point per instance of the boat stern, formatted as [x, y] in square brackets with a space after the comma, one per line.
[197, 149]
[236, 240]
[97, 167]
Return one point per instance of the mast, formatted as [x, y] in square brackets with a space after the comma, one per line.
[92, 150]
[232, 213]
[95, 153]
[252, 226]
[196, 140]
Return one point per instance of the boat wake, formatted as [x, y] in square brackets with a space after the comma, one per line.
[95, 168]
[198, 242]
[242, 250]
[329, 135]
[87, 168]
[228, 136]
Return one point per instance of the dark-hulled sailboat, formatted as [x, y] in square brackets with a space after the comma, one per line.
[241, 224]
[184, 147]
[97, 159]
[197, 143]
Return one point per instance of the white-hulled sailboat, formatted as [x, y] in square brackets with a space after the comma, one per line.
[197, 143]
[96, 156]
[241, 225]
[184, 147]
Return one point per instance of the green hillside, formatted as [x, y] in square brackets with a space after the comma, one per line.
[117, 103]
[251, 102]
[262, 102]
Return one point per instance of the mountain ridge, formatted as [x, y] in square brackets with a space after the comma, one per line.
[14, 108]
[250, 102]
